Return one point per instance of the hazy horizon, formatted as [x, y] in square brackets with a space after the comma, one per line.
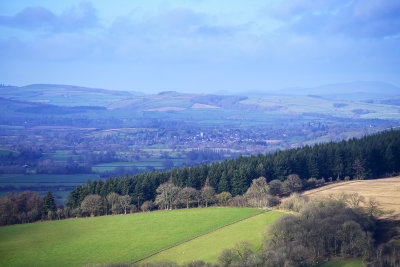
[198, 45]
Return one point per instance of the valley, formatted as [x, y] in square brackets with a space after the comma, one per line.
[70, 130]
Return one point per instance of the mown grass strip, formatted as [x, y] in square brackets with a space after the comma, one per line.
[197, 236]
[107, 239]
[208, 247]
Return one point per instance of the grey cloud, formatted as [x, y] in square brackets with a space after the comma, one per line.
[180, 22]
[361, 18]
[39, 18]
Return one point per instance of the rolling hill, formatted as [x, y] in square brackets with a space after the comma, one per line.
[108, 239]
[64, 95]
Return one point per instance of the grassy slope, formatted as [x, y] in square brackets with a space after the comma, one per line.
[208, 247]
[107, 239]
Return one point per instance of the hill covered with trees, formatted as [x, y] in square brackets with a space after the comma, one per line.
[372, 156]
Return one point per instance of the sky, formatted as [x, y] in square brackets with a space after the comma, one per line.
[199, 46]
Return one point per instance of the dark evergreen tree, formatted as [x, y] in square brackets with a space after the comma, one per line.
[378, 154]
[49, 203]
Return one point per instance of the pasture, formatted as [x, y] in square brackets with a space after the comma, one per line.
[107, 239]
[209, 246]
[386, 191]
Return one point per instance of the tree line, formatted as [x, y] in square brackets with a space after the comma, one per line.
[372, 156]
[29, 207]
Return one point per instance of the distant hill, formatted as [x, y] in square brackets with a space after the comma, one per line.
[353, 90]
[367, 100]
[64, 95]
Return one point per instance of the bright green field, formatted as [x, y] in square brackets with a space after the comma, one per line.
[107, 239]
[208, 247]
[343, 263]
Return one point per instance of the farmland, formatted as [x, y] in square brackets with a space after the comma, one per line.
[62, 129]
[386, 191]
[208, 247]
[107, 239]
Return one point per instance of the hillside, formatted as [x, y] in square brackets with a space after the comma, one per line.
[288, 103]
[386, 191]
[208, 247]
[64, 95]
[360, 90]
[107, 239]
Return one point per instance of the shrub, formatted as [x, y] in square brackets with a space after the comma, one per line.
[147, 206]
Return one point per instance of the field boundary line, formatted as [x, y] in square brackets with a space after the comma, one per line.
[199, 235]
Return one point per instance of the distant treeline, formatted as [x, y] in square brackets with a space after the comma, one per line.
[368, 157]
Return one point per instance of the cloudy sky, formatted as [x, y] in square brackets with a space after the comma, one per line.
[199, 45]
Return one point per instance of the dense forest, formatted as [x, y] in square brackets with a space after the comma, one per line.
[372, 156]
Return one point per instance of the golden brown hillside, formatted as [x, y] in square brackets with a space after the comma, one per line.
[386, 191]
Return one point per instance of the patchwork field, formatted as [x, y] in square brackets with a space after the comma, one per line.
[208, 247]
[386, 191]
[107, 239]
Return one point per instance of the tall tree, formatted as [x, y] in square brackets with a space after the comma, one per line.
[358, 169]
[275, 187]
[92, 204]
[166, 195]
[187, 196]
[207, 193]
[49, 203]
[258, 188]
[124, 202]
[293, 183]
[113, 202]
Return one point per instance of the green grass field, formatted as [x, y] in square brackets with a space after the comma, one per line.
[107, 239]
[46, 178]
[111, 166]
[343, 263]
[208, 247]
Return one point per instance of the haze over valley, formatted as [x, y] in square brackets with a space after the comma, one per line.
[200, 133]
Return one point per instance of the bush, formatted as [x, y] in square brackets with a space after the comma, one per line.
[323, 228]
[147, 206]
[263, 201]
[294, 203]
[238, 201]
[133, 208]
[223, 198]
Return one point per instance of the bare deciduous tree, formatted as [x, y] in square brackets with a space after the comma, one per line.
[92, 204]
[207, 194]
[187, 196]
[113, 201]
[167, 193]
[124, 202]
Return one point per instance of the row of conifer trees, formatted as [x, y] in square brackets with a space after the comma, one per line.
[372, 156]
